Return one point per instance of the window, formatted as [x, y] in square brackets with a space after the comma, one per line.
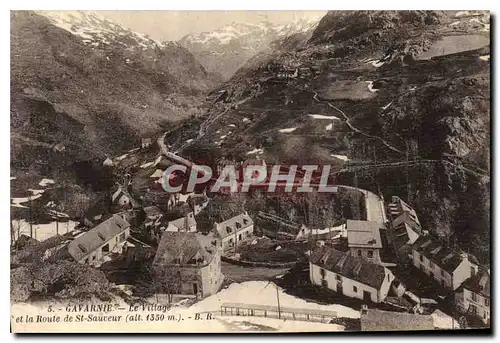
[473, 296]
[322, 272]
[324, 283]
[93, 258]
[472, 271]
[473, 309]
[359, 252]
[238, 225]
[421, 258]
[245, 221]
[105, 248]
[370, 253]
[338, 278]
[354, 289]
[486, 302]
[122, 237]
[86, 261]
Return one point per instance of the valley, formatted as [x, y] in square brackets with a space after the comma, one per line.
[396, 103]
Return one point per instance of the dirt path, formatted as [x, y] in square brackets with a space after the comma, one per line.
[355, 129]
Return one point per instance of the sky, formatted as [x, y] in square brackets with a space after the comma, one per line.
[173, 25]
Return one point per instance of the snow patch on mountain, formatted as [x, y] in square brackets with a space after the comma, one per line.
[96, 30]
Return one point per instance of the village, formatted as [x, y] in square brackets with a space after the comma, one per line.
[384, 263]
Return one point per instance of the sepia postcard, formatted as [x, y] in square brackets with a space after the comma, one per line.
[250, 171]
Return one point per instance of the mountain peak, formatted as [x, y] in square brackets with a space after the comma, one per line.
[228, 48]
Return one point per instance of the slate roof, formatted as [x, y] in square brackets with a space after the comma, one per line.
[353, 268]
[407, 219]
[89, 241]
[362, 233]
[398, 207]
[479, 284]
[117, 194]
[438, 253]
[186, 248]
[378, 320]
[400, 228]
[230, 227]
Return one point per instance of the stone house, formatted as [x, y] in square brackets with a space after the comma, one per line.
[351, 276]
[473, 297]
[232, 231]
[188, 263]
[447, 267]
[92, 246]
[363, 239]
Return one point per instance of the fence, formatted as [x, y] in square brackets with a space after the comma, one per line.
[237, 309]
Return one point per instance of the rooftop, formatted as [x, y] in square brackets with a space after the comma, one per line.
[479, 284]
[86, 243]
[186, 248]
[397, 207]
[184, 223]
[353, 268]
[378, 320]
[362, 233]
[438, 253]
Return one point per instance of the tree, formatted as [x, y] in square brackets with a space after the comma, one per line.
[167, 279]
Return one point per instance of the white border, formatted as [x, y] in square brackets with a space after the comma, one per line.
[195, 5]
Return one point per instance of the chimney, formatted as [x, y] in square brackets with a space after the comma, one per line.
[464, 256]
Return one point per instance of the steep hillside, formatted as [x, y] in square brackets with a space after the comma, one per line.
[402, 96]
[225, 50]
[83, 87]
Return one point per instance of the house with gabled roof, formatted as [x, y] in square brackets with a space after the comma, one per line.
[92, 246]
[473, 297]
[398, 206]
[446, 266]
[402, 232]
[122, 200]
[351, 276]
[189, 263]
[234, 230]
[363, 239]
[183, 224]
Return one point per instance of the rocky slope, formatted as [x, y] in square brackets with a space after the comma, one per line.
[406, 92]
[225, 50]
[83, 87]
